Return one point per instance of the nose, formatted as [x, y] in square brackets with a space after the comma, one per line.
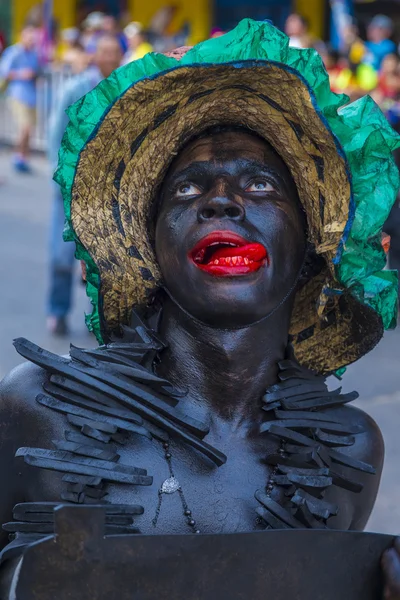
[219, 207]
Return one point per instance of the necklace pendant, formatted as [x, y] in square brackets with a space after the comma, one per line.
[170, 486]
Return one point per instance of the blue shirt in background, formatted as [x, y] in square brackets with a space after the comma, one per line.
[17, 58]
[77, 86]
[376, 52]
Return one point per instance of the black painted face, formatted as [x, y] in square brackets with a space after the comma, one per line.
[230, 233]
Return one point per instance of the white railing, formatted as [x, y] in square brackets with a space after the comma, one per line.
[48, 87]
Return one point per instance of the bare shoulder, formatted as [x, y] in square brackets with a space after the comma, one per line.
[18, 391]
[22, 420]
[368, 444]
[368, 447]
[19, 385]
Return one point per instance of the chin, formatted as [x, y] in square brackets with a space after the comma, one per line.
[229, 318]
[228, 304]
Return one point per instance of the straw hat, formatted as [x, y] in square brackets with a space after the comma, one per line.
[124, 134]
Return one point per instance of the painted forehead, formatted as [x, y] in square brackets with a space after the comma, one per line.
[226, 146]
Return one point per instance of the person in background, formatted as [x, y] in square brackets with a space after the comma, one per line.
[137, 40]
[387, 94]
[333, 66]
[388, 87]
[47, 32]
[297, 28]
[19, 69]
[73, 56]
[354, 46]
[106, 59]
[342, 78]
[110, 26]
[379, 43]
[92, 30]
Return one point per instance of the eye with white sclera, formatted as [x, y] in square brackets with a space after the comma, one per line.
[187, 189]
[261, 185]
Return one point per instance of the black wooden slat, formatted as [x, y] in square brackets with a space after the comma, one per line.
[271, 519]
[83, 450]
[345, 482]
[311, 416]
[310, 424]
[310, 481]
[74, 436]
[84, 416]
[291, 436]
[277, 509]
[330, 439]
[290, 382]
[349, 461]
[75, 397]
[325, 402]
[82, 460]
[317, 506]
[24, 527]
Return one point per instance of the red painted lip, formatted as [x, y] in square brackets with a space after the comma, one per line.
[233, 255]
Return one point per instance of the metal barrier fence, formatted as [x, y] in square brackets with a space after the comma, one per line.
[48, 87]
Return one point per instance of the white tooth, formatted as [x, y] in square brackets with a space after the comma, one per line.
[246, 261]
[234, 259]
[216, 262]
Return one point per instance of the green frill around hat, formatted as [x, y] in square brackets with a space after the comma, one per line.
[362, 135]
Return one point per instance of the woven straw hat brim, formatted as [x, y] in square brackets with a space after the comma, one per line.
[121, 167]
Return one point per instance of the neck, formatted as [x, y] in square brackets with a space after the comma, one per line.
[225, 372]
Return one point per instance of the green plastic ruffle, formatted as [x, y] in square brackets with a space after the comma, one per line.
[361, 129]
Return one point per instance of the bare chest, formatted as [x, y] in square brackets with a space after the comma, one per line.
[182, 486]
[185, 488]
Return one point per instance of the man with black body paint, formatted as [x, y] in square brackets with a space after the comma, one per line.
[226, 327]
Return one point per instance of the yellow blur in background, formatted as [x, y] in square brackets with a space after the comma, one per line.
[198, 14]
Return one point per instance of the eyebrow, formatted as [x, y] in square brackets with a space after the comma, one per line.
[247, 167]
[197, 168]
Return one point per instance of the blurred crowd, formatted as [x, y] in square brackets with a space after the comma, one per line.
[360, 66]
[78, 45]
[73, 48]
[92, 51]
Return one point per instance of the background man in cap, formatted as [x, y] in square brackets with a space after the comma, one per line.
[106, 58]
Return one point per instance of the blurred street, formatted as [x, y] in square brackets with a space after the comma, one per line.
[24, 216]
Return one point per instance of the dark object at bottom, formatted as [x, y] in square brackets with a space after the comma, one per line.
[296, 564]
